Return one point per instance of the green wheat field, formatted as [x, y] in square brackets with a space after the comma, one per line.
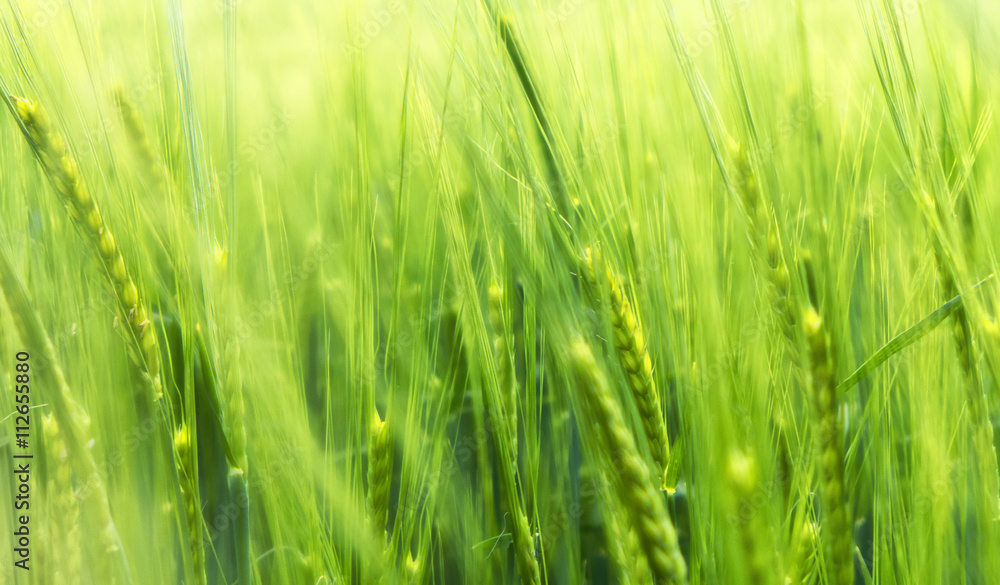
[546, 292]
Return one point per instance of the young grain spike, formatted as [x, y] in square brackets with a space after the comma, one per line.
[764, 239]
[805, 543]
[413, 568]
[64, 175]
[623, 548]
[742, 475]
[137, 136]
[976, 396]
[62, 172]
[380, 451]
[184, 455]
[66, 513]
[642, 502]
[770, 263]
[73, 424]
[505, 367]
[836, 527]
[528, 564]
[632, 352]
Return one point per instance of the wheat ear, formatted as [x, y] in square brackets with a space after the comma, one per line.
[413, 568]
[742, 475]
[185, 456]
[976, 396]
[379, 473]
[624, 549]
[633, 355]
[64, 175]
[805, 542]
[762, 232]
[763, 236]
[65, 510]
[836, 528]
[73, 424]
[645, 508]
[138, 137]
[505, 365]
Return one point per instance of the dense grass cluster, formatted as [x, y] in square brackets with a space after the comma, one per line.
[544, 292]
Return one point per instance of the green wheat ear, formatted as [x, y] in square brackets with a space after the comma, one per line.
[742, 474]
[836, 525]
[73, 428]
[656, 532]
[186, 459]
[763, 234]
[138, 138]
[65, 510]
[633, 355]
[505, 366]
[380, 452]
[63, 173]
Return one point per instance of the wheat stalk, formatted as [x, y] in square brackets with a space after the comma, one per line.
[546, 135]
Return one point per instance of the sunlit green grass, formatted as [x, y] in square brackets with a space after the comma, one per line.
[316, 199]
